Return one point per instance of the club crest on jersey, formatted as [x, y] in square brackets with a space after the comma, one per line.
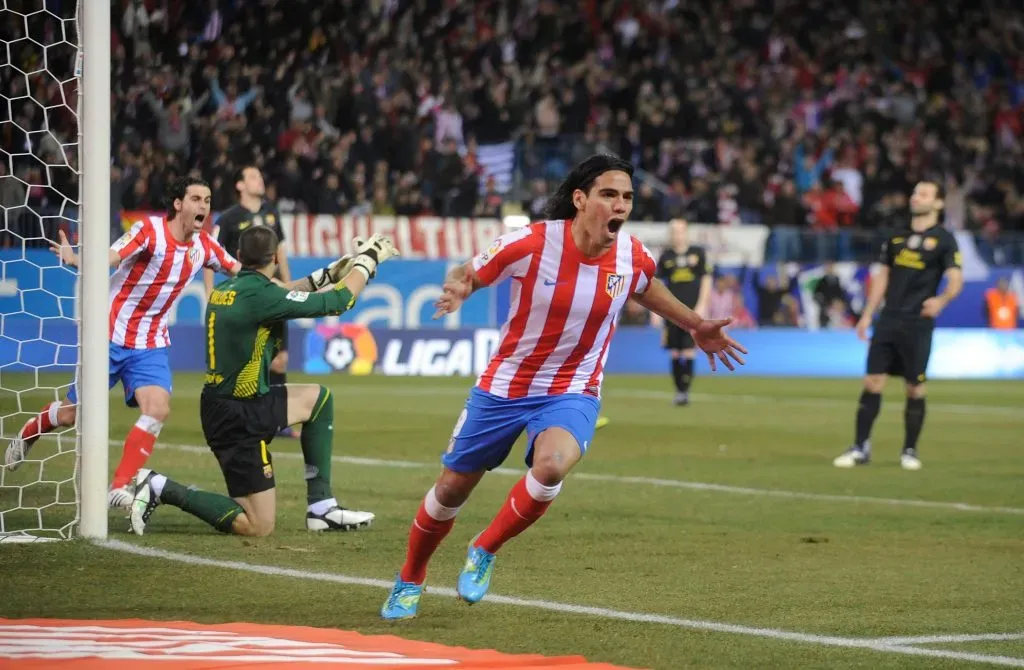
[193, 255]
[693, 259]
[930, 243]
[614, 285]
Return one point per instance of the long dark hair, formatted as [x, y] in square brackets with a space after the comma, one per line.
[560, 205]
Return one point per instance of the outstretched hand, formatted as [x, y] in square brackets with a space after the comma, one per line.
[453, 293]
[64, 251]
[715, 343]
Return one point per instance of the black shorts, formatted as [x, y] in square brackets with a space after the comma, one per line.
[239, 432]
[901, 350]
[675, 338]
[284, 339]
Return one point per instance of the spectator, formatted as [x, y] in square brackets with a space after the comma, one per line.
[771, 291]
[1001, 306]
[827, 291]
[769, 96]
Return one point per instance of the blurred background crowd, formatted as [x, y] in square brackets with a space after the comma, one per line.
[814, 117]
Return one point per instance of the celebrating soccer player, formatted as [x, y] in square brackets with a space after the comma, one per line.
[571, 277]
[155, 260]
[912, 264]
[687, 272]
[241, 413]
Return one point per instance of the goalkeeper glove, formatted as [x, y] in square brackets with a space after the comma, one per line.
[371, 252]
[332, 274]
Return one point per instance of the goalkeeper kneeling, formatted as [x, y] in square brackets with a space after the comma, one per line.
[241, 414]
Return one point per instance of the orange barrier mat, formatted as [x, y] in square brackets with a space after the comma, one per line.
[65, 644]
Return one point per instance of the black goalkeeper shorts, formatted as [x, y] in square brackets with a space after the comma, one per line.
[239, 432]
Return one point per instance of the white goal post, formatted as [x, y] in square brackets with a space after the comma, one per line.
[94, 184]
[55, 93]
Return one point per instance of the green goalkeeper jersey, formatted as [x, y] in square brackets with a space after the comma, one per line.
[245, 320]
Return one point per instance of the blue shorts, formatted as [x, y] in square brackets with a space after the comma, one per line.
[134, 368]
[490, 425]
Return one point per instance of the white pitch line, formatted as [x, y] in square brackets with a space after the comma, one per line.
[648, 394]
[950, 639]
[652, 481]
[1013, 413]
[568, 608]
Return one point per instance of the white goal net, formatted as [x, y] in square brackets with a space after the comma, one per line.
[39, 195]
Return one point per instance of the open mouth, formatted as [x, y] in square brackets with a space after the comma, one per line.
[200, 218]
[614, 225]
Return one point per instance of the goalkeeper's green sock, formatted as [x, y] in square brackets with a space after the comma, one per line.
[217, 510]
[317, 444]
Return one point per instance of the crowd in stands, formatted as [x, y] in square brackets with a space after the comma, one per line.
[801, 114]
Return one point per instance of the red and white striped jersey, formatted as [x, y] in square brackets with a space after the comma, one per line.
[563, 311]
[153, 271]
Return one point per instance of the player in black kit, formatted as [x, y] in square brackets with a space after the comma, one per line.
[913, 263]
[687, 272]
[252, 209]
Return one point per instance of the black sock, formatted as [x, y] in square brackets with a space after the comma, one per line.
[867, 412]
[687, 375]
[677, 374]
[276, 378]
[913, 421]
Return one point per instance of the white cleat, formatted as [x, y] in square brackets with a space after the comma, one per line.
[339, 518]
[121, 497]
[910, 461]
[143, 502]
[853, 457]
[16, 452]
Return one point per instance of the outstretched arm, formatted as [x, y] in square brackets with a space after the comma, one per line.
[460, 283]
[68, 256]
[658, 299]
[707, 333]
[366, 255]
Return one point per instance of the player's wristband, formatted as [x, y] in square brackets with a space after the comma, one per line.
[319, 278]
[368, 272]
[367, 262]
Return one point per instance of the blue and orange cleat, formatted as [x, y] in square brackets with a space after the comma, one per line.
[404, 601]
[475, 578]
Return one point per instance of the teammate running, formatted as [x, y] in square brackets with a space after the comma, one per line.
[571, 277]
[155, 260]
